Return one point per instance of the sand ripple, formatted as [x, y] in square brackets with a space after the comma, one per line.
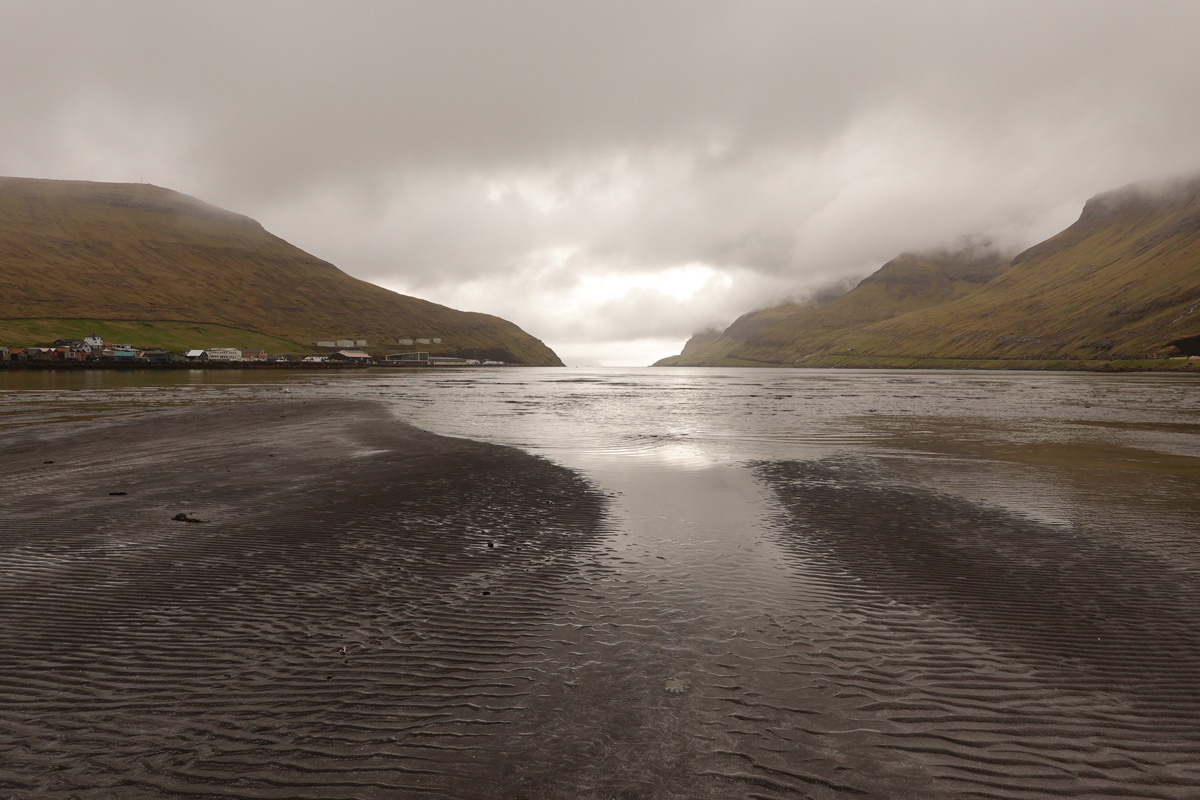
[369, 611]
[360, 632]
[1001, 656]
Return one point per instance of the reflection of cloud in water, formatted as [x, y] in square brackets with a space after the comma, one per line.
[663, 451]
[680, 454]
[366, 453]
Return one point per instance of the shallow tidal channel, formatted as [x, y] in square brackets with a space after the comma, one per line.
[651, 583]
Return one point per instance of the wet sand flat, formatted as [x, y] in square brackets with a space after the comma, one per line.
[342, 623]
[1012, 657]
[847, 625]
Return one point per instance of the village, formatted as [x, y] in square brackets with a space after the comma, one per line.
[94, 351]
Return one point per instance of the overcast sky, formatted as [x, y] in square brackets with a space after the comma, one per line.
[611, 176]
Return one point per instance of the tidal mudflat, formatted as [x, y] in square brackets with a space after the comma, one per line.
[650, 584]
[280, 600]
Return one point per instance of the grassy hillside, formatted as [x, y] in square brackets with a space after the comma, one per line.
[166, 335]
[1121, 284]
[134, 253]
[783, 334]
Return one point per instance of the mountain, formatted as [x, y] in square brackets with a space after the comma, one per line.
[1122, 283]
[133, 257]
[786, 333]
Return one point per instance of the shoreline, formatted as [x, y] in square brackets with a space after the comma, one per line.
[37, 366]
[76, 366]
[1184, 365]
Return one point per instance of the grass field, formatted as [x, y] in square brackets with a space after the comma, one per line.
[142, 334]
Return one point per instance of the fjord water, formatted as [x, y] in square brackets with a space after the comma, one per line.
[809, 583]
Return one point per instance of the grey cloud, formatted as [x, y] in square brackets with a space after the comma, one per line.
[438, 144]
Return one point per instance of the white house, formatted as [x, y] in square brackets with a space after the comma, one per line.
[224, 354]
[93, 341]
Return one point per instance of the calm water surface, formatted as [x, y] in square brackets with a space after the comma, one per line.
[884, 584]
[1066, 448]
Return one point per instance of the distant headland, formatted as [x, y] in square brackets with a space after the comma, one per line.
[160, 271]
[1117, 290]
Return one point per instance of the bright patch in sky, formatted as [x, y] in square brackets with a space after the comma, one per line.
[536, 194]
[679, 283]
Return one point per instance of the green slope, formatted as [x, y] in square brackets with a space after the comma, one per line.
[791, 333]
[1122, 283]
[72, 250]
